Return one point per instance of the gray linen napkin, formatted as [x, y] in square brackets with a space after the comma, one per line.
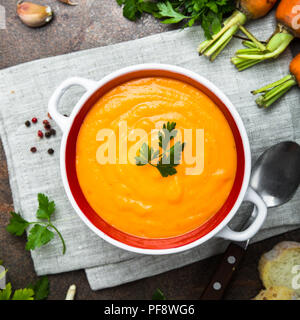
[24, 93]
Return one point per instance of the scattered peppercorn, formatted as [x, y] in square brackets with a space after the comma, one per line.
[48, 134]
[40, 134]
[65, 115]
[47, 126]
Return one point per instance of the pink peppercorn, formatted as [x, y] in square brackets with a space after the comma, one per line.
[40, 134]
[34, 120]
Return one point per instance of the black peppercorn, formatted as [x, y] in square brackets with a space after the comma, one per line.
[33, 149]
[53, 132]
[48, 134]
[27, 123]
[50, 151]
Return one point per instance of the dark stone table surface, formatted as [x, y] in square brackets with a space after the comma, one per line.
[91, 24]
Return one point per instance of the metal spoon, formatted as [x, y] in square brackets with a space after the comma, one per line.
[275, 177]
[276, 174]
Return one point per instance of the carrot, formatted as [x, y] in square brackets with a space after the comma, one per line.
[288, 28]
[274, 91]
[288, 15]
[257, 8]
[295, 68]
[245, 10]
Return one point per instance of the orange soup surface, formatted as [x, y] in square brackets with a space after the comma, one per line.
[138, 200]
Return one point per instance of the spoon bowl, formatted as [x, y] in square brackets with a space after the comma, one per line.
[276, 173]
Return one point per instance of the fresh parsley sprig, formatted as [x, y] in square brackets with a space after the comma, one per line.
[40, 234]
[37, 291]
[158, 295]
[40, 288]
[168, 158]
[20, 294]
[209, 13]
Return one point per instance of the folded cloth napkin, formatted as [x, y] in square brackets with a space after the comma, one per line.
[24, 93]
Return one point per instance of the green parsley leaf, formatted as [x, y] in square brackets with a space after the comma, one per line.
[169, 159]
[148, 6]
[216, 25]
[37, 291]
[208, 13]
[38, 236]
[17, 225]
[167, 134]
[23, 294]
[158, 295]
[145, 155]
[167, 10]
[131, 10]
[166, 170]
[154, 154]
[40, 288]
[40, 233]
[175, 153]
[170, 126]
[6, 293]
[212, 5]
[46, 208]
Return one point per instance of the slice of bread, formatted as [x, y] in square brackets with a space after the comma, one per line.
[276, 293]
[280, 267]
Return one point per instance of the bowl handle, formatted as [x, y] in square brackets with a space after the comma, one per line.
[61, 120]
[261, 214]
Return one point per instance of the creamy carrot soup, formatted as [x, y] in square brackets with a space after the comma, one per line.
[136, 199]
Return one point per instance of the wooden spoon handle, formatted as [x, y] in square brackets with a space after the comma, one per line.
[221, 278]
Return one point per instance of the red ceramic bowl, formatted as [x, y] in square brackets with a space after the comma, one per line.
[217, 225]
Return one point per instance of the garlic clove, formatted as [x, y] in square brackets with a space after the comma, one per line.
[33, 15]
[69, 2]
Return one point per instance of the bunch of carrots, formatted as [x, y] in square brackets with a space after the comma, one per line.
[288, 28]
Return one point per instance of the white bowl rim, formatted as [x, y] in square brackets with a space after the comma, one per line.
[215, 90]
